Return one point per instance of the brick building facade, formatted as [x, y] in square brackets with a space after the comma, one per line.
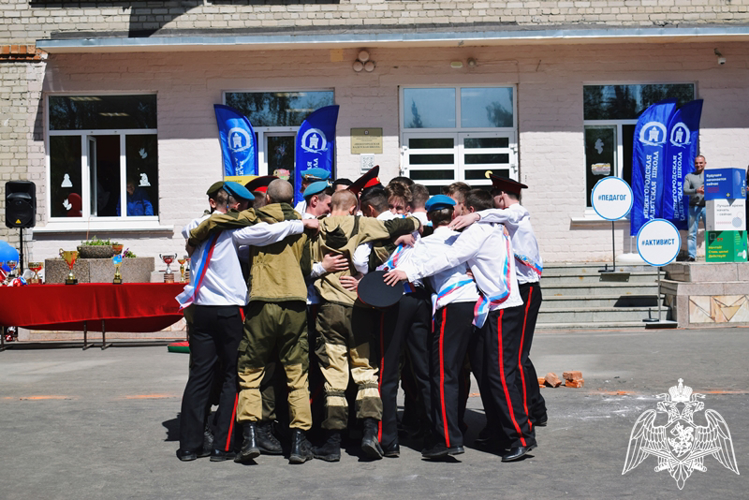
[554, 72]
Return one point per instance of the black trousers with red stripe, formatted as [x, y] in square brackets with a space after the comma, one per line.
[531, 295]
[407, 322]
[503, 375]
[214, 339]
[453, 331]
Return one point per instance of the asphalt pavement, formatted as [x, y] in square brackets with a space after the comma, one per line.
[103, 424]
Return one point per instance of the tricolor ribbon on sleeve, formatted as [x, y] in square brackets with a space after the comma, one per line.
[190, 292]
[392, 263]
[526, 261]
[481, 311]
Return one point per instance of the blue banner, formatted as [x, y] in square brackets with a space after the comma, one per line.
[681, 149]
[651, 134]
[315, 144]
[238, 142]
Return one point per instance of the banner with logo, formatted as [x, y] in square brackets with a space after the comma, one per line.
[315, 144]
[681, 149]
[651, 134]
[238, 142]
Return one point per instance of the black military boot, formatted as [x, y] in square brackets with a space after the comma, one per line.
[301, 449]
[331, 450]
[266, 441]
[249, 449]
[369, 443]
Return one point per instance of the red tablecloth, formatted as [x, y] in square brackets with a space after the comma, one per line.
[130, 307]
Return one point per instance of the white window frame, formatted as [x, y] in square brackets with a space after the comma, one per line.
[88, 222]
[264, 132]
[590, 213]
[459, 133]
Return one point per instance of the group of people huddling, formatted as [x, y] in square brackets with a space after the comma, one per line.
[276, 294]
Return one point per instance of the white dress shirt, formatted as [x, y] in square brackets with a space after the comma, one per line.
[517, 220]
[486, 249]
[451, 285]
[223, 283]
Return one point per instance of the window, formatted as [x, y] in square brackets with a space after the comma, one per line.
[103, 156]
[276, 118]
[471, 131]
[610, 115]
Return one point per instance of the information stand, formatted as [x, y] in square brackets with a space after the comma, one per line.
[612, 200]
[658, 243]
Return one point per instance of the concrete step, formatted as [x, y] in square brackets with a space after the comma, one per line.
[612, 300]
[597, 289]
[572, 277]
[599, 314]
[554, 269]
[609, 325]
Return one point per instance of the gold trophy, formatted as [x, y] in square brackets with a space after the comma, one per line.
[117, 259]
[168, 259]
[70, 256]
[36, 267]
[182, 269]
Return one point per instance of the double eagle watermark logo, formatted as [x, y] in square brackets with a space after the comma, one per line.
[680, 445]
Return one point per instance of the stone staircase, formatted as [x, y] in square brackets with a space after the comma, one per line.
[577, 296]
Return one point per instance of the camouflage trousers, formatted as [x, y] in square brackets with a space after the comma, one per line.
[272, 327]
[343, 348]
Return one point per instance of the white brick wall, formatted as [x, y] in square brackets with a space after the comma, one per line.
[20, 23]
[549, 91]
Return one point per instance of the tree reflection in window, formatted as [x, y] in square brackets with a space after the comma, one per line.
[279, 109]
[627, 102]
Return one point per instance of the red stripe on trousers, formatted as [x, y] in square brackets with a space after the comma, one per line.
[520, 355]
[442, 377]
[504, 381]
[382, 368]
[231, 424]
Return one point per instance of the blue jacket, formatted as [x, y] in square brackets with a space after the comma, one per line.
[137, 204]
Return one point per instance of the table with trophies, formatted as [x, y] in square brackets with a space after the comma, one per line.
[73, 306]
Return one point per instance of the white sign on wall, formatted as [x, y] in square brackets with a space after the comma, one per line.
[612, 198]
[658, 242]
[726, 214]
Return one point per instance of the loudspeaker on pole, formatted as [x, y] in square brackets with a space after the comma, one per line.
[20, 204]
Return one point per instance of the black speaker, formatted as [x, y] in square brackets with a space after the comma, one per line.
[20, 204]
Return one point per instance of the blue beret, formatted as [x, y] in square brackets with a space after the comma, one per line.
[438, 202]
[315, 188]
[315, 174]
[238, 191]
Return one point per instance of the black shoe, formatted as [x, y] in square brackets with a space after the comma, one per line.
[249, 449]
[222, 456]
[392, 451]
[186, 455]
[301, 449]
[266, 441]
[517, 453]
[439, 450]
[369, 443]
[690, 259]
[331, 450]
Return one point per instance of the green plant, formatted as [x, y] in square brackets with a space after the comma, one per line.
[130, 255]
[96, 242]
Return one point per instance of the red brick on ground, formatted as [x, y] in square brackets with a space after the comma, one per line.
[575, 383]
[572, 375]
[552, 380]
[542, 382]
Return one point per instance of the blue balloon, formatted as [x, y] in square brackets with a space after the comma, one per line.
[7, 253]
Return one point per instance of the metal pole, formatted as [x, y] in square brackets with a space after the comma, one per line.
[20, 260]
[613, 245]
[658, 297]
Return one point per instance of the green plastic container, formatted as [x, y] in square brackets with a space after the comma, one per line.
[726, 246]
